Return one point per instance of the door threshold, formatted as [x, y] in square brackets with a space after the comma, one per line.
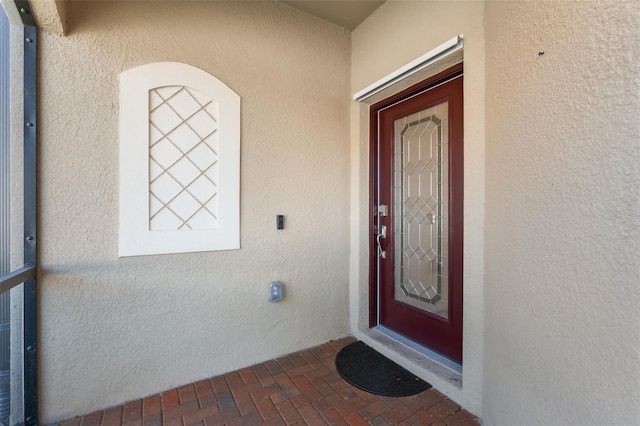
[433, 355]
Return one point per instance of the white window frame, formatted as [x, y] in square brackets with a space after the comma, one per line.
[135, 236]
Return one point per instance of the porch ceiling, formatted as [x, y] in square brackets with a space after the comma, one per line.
[51, 14]
[344, 13]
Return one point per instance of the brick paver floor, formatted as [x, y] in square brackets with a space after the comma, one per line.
[298, 389]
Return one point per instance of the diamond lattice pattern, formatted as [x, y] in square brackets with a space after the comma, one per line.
[183, 160]
[421, 194]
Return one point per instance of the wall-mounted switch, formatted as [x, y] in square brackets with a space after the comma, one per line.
[280, 221]
[275, 291]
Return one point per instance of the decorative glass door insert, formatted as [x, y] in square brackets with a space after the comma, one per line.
[421, 209]
[417, 213]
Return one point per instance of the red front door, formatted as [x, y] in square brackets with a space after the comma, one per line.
[417, 214]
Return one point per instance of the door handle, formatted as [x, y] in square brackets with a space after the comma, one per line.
[382, 233]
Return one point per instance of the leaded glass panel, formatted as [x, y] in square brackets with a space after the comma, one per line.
[421, 193]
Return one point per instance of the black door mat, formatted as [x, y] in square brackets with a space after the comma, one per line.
[366, 369]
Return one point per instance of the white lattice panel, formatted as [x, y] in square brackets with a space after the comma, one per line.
[179, 161]
[183, 156]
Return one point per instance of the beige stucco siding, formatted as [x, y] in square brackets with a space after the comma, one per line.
[552, 205]
[562, 334]
[552, 325]
[115, 329]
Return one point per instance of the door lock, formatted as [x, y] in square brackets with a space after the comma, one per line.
[382, 233]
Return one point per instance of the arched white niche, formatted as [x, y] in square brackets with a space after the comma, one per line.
[179, 161]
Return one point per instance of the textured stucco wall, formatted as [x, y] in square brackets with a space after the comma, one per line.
[117, 329]
[49, 15]
[563, 213]
[395, 34]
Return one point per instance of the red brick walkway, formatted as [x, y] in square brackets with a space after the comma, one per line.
[299, 389]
